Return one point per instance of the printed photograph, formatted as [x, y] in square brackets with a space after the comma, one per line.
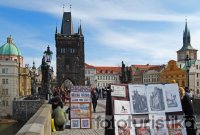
[175, 128]
[85, 123]
[142, 131]
[122, 107]
[123, 125]
[138, 99]
[155, 98]
[172, 98]
[75, 123]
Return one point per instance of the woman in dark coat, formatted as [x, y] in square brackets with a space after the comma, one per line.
[188, 111]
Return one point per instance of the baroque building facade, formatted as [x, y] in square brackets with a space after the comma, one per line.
[70, 56]
[14, 78]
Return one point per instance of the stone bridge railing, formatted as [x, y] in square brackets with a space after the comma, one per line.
[39, 123]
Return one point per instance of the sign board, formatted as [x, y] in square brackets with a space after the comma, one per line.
[80, 104]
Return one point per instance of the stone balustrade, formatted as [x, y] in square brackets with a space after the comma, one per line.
[39, 123]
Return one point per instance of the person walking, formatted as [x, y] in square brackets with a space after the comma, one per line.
[94, 96]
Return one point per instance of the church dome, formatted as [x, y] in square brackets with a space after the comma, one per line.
[9, 48]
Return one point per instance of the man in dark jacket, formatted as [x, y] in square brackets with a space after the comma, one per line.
[94, 99]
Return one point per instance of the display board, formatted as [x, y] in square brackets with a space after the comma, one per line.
[150, 108]
[80, 104]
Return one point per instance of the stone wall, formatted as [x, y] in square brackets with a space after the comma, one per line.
[39, 124]
[23, 110]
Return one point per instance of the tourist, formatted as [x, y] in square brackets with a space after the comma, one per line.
[188, 111]
[59, 118]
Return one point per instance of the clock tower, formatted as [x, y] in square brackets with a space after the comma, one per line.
[70, 57]
[187, 48]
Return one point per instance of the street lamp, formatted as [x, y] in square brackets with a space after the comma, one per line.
[46, 73]
[187, 66]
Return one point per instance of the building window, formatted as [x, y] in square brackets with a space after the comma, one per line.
[5, 92]
[4, 70]
[3, 81]
[196, 66]
[197, 75]
[197, 91]
[197, 83]
[62, 50]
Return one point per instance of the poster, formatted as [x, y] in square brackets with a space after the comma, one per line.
[85, 110]
[123, 125]
[172, 98]
[85, 123]
[122, 107]
[175, 128]
[155, 96]
[75, 123]
[138, 99]
[118, 91]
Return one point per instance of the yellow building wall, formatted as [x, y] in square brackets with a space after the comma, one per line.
[172, 72]
[24, 82]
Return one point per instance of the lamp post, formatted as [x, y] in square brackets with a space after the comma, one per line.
[46, 73]
[187, 66]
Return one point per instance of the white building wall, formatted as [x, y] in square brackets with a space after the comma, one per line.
[8, 86]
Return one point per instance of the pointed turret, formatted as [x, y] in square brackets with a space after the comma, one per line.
[80, 30]
[187, 48]
[56, 30]
[33, 67]
[67, 25]
[186, 39]
[186, 35]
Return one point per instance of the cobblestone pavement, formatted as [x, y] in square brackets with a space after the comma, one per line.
[97, 129]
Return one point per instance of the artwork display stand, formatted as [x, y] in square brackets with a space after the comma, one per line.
[153, 100]
[80, 107]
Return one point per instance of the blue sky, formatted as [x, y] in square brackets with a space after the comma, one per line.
[135, 31]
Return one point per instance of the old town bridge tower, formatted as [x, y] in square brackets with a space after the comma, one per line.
[69, 53]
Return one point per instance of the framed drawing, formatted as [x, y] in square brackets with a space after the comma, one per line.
[123, 125]
[118, 91]
[85, 123]
[138, 99]
[172, 98]
[155, 98]
[75, 123]
[122, 107]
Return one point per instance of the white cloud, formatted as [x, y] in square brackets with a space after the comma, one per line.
[99, 15]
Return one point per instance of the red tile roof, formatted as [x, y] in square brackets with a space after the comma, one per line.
[89, 66]
[108, 69]
[143, 66]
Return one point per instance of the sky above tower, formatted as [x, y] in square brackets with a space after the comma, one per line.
[133, 31]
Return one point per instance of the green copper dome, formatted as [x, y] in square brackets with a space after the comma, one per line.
[9, 48]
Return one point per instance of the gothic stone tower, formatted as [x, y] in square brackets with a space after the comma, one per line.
[187, 48]
[69, 53]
